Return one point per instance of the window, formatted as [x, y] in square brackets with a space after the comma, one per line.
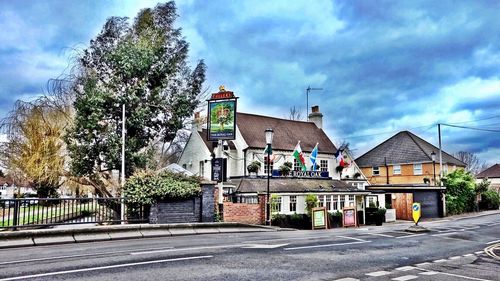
[270, 166]
[335, 203]
[296, 165]
[321, 199]
[375, 171]
[417, 169]
[202, 168]
[293, 203]
[323, 165]
[276, 204]
[342, 201]
[351, 200]
[371, 201]
[396, 169]
[328, 202]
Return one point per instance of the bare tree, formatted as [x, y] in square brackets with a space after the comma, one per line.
[294, 114]
[472, 162]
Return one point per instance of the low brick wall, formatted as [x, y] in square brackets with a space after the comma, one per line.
[244, 212]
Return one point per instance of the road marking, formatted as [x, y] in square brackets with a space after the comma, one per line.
[184, 249]
[429, 273]
[409, 236]
[78, 256]
[468, 228]
[478, 252]
[405, 268]
[422, 264]
[404, 278]
[455, 258]
[492, 224]
[352, 238]
[492, 242]
[441, 260]
[103, 268]
[347, 279]
[468, 255]
[279, 239]
[325, 245]
[380, 234]
[442, 234]
[378, 273]
[263, 246]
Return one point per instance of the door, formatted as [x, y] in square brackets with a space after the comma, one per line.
[402, 203]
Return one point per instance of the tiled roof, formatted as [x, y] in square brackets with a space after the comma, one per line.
[404, 147]
[286, 133]
[491, 172]
[276, 185]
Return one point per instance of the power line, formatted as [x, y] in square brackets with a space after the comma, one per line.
[472, 128]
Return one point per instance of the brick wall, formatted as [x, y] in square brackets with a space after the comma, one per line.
[245, 213]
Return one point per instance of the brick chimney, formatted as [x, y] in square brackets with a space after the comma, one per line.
[316, 117]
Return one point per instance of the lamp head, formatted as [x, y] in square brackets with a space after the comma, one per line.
[269, 136]
[433, 156]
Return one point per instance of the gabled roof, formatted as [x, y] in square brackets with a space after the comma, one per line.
[286, 133]
[491, 172]
[403, 148]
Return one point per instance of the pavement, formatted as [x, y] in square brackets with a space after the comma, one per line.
[79, 233]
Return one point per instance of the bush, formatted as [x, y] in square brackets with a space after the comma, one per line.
[147, 188]
[298, 221]
[490, 200]
[335, 219]
[460, 192]
[311, 202]
[253, 167]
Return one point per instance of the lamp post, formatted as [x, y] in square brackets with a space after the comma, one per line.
[433, 156]
[269, 140]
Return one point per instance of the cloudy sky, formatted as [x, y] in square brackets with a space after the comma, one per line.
[384, 66]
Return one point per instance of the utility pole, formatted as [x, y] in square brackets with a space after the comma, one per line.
[123, 217]
[309, 89]
[440, 155]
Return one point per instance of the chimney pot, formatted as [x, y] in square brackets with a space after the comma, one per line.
[316, 117]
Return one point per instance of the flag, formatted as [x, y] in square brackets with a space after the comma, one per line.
[313, 156]
[340, 157]
[299, 156]
[268, 147]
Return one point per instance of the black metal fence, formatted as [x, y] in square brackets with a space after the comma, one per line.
[40, 212]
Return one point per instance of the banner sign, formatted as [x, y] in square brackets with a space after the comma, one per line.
[319, 218]
[303, 174]
[219, 168]
[349, 217]
[221, 119]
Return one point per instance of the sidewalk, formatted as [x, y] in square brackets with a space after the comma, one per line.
[37, 237]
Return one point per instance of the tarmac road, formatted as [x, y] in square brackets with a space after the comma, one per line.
[453, 250]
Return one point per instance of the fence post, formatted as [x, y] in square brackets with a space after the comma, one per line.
[15, 220]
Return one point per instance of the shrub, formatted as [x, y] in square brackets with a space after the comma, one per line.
[253, 167]
[285, 168]
[311, 202]
[460, 192]
[147, 188]
[491, 200]
[298, 221]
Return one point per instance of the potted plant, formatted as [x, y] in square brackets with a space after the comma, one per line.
[253, 167]
[380, 216]
[285, 168]
[427, 180]
[357, 175]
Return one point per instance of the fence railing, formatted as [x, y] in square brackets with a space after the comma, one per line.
[39, 212]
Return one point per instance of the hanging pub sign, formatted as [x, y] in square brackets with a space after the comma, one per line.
[222, 116]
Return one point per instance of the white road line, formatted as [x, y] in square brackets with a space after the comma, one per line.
[352, 238]
[404, 278]
[441, 260]
[492, 224]
[279, 239]
[102, 268]
[474, 227]
[79, 256]
[478, 252]
[380, 234]
[492, 242]
[455, 258]
[184, 249]
[429, 273]
[347, 279]
[405, 268]
[422, 264]
[378, 273]
[442, 234]
[409, 236]
[325, 245]
[468, 255]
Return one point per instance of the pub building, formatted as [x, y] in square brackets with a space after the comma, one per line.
[337, 181]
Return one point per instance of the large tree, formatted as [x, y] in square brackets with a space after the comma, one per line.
[144, 66]
[472, 162]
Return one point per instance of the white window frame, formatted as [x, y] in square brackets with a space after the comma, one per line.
[270, 166]
[276, 204]
[416, 170]
[321, 200]
[323, 165]
[202, 168]
[293, 203]
[376, 171]
[296, 165]
[396, 170]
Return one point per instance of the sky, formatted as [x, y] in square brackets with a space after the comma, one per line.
[383, 66]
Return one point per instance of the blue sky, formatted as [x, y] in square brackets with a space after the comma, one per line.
[384, 66]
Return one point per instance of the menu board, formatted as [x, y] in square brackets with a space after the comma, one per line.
[349, 217]
[319, 218]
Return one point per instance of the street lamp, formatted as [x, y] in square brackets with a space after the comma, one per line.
[269, 140]
[433, 157]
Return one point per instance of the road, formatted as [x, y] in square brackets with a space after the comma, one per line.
[453, 250]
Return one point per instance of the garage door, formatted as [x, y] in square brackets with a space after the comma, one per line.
[429, 201]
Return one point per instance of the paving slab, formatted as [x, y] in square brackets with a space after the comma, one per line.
[181, 231]
[155, 233]
[206, 230]
[49, 240]
[92, 237]
[20, 242]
